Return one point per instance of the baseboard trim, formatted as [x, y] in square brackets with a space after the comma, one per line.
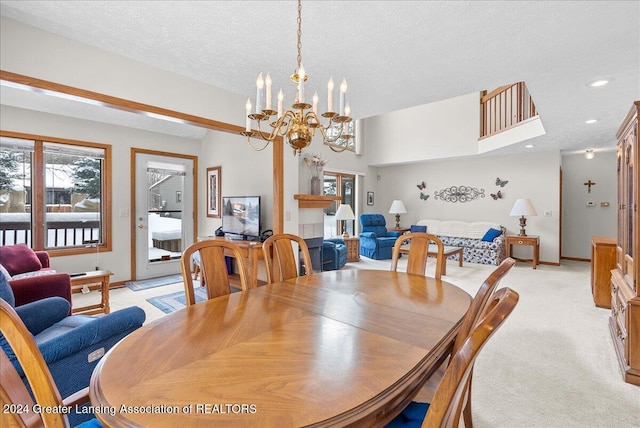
[576, 259]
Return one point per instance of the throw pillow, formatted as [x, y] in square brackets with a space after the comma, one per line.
[418, 229]
[491, 235]
[19, 259]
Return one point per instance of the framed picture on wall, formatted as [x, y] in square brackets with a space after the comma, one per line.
[369, 198]
[214, 187]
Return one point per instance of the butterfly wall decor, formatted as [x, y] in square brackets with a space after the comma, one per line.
[497, 195]
[421, 186]
[500, 182]
[423, 196]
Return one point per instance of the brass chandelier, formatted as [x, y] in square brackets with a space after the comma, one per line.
[298, 124]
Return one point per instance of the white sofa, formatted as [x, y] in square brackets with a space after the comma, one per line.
[468, 235]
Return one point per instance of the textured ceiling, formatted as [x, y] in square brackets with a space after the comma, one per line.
[394, 54]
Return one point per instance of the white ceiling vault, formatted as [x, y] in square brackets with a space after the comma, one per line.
[394, 54]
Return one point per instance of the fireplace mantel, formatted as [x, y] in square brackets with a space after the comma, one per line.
[315, 201]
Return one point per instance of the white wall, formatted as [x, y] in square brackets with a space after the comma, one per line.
[244, 173]
[534, 176]
[438, 130]
[580, 221]
[122, 140]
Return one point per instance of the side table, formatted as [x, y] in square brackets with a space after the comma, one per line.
[531, 240]
[353, 248]
[86, 279]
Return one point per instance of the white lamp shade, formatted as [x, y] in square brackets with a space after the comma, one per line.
[523, 207]
[397, 207]
[345, 213]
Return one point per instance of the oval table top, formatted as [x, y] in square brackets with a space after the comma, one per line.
[331, 349]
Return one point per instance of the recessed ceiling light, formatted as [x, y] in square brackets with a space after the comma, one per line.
[597, 83]
[590, 121]
[529, 146]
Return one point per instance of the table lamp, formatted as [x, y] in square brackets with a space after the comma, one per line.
[345, 213]
[397, 208]
[523, 207]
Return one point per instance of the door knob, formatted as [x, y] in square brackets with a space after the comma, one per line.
[140, 226]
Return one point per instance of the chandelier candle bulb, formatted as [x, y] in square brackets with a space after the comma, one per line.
[248, 107]
[315, 102]
[267, 81]
[330, 95]
[343, 91]
[280, 99]
[259, 88]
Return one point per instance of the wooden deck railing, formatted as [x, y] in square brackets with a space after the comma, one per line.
[59, 233]
[504, 108]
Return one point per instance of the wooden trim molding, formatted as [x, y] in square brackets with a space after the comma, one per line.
[136, 107]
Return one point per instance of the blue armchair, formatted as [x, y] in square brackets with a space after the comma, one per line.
[71, 345]
[334, 254]
[375, 241]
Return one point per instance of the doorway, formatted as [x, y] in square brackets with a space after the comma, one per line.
[343, 185]
[164, 212]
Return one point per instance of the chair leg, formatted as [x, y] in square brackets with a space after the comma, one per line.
[466, 413]
[196, 271]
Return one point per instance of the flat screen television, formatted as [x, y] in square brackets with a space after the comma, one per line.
[241, 216]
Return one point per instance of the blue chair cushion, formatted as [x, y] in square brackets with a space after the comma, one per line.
[412, 416]
[418, 229]
[6, 292]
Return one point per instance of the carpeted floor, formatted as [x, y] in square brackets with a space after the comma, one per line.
[551, 365]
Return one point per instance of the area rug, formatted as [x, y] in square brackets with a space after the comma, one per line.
[174, 301]
[145, 284]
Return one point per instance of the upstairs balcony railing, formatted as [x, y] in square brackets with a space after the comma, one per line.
[504, 108]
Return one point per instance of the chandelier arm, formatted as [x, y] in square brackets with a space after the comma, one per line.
[256, 148]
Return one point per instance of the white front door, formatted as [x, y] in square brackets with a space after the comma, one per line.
[164, 213]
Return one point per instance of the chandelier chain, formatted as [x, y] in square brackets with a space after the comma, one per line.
[299, 33]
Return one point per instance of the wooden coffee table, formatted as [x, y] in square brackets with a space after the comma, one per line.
[99, 278]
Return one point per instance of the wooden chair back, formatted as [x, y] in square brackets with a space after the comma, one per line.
[452, 390]
[418, 252]
[213, 268]
[480, 300]
[280, 259]
[12, 389]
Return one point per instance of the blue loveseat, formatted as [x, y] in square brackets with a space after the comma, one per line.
[334, 254]
[67, 343]
[375, 241]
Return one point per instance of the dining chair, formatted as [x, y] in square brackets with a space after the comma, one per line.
[475, 312]
[13, 392]
[419, 244]
[443, 411]
[280, 259]
[213, 268]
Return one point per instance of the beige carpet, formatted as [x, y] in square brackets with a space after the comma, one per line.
[552, 363]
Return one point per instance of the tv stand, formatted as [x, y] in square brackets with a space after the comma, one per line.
[252, 252]
[237, 237]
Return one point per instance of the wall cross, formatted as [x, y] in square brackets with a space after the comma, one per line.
[589, 184]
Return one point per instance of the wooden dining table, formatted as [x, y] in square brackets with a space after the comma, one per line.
[346, 347]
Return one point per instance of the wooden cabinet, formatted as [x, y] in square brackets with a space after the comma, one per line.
[603, 261]
[624, 322]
